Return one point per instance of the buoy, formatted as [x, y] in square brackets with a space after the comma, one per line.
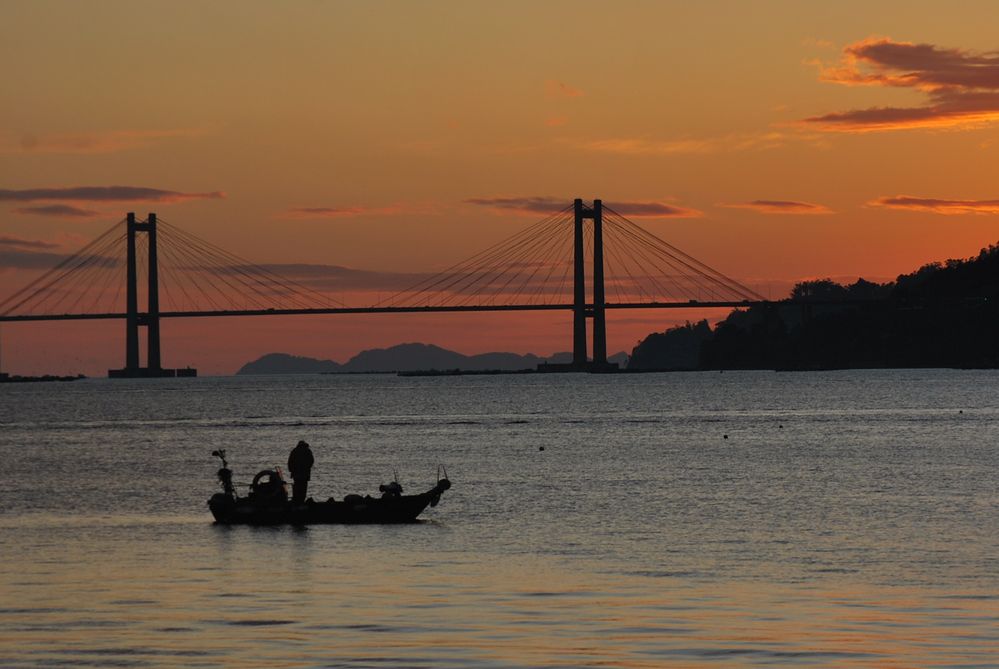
[724, 436]
[961, 411]
[541, 448]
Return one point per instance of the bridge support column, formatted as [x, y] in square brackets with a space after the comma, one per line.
[599, 311]
[580, 309]
[153, 312]
[150, 319]
[131, 300]
[579, 291]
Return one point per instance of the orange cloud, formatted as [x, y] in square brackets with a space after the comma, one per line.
[781, 207]
[962, 87]
[937, 206]
[550, 205]
[104, 194]
[92, 142]
[637, 146]
[557, 89]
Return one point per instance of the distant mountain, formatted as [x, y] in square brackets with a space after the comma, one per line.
[404, 358]
[283, 363]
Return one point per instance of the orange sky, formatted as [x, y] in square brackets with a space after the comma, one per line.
[789, 140]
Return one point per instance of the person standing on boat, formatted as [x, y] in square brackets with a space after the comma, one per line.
[300, 467]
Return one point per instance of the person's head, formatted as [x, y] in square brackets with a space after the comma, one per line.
[302, 444]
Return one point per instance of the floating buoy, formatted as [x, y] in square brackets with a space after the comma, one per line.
[724, 436]
[541, 448]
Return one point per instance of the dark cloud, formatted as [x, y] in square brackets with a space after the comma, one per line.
[343, 212]
[58, 210]
[962, 87]
[103, 194]
[937, 206]
[550, 205]
[12, 258]
[14, 242]
[781, 207]
[531, 205]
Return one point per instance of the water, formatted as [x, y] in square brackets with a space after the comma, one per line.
[849, 519]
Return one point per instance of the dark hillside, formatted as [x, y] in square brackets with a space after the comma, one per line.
[942, 315]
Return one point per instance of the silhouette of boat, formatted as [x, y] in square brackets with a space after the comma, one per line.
[268, 503]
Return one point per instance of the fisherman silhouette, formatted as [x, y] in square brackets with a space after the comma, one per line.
[300, 462]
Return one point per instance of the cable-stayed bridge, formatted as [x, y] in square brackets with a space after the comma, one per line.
[546, 266]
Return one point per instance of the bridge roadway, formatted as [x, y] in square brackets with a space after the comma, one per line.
[692, 304]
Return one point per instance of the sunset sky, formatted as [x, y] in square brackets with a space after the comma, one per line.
[776, 141]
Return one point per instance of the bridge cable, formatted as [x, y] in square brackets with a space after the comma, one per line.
[52, 276]
[448, 274]
[475, 273]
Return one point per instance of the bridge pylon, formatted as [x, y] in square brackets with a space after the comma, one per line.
[150, 319]
[580, 309]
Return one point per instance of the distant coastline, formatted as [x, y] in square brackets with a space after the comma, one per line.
[407, 358]
[16, 378]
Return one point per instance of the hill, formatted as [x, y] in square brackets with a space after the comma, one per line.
[942, 315]
[284, 363]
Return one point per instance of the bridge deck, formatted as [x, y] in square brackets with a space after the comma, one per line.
[390, 310]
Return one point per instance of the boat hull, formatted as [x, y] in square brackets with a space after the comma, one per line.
[353, 510]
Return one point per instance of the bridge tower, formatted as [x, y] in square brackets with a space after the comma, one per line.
[134, 319]
[581, 311]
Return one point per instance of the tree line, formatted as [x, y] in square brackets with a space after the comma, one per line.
[945, 314]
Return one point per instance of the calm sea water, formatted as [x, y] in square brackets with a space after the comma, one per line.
[841, 519]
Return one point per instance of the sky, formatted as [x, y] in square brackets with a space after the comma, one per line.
[776, 141]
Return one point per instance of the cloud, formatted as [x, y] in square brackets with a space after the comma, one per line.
[643, 146]
[58, 210]
[26, 243]
[12, 257]
[343, 212]
[653, 210]
[322, 212]
[110, 141]
[781, 207]
[937, 206]
[528, 205]
[27, 259]
[550, 205]
[104, 194]
[961, 87]
[558, 89]
[817, 43]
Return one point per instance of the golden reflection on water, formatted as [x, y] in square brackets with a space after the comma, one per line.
[103, 594]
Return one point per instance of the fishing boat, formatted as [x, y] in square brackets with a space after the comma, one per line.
[267, 502]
